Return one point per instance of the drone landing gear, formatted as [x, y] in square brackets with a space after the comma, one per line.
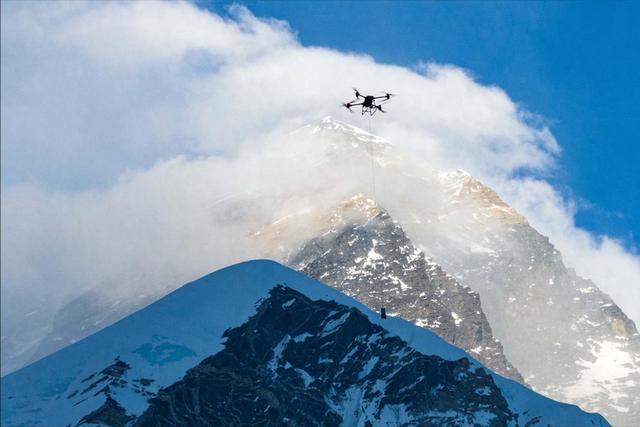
[383, 313]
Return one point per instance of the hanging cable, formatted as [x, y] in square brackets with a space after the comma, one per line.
[373, 166]
[383, 312]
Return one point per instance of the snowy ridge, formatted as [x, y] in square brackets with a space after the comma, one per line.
[351, 139]
[153, 348]
[329, 124]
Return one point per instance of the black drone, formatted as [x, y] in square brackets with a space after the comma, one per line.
[370, 104]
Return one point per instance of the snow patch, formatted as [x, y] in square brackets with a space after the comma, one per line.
[456, 318]
[612, 367]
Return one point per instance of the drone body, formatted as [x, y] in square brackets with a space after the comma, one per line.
[370, 104]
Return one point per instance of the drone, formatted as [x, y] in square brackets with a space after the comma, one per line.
[370, 104]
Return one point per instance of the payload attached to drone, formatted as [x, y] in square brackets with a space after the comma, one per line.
[370, 103]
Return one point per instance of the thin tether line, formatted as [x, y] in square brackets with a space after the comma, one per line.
[375, 201]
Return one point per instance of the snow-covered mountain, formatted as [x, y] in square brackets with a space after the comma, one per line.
[579, 347]
[587, 350]
[567, 338]
[260, 343]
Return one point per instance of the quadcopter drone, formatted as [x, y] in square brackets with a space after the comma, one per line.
[370, 103]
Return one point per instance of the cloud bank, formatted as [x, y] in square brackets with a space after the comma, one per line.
[125, 127]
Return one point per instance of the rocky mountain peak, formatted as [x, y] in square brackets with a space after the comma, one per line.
[461, 186]
[369, 257]
[352, 210]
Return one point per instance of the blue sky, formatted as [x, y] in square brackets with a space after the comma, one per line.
[574, 63]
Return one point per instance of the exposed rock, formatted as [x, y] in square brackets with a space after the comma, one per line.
[110, 414]
[587, 351]
[369, 257]
[303, 362]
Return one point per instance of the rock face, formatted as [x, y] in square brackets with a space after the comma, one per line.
[368, 256]
[587, 350]
[303, 362]
[109, 414]
[259, 343]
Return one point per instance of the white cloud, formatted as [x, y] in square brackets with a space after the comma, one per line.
[125, 126]
[141, 33]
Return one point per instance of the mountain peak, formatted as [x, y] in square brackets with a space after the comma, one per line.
[359, 203]
[356, 209]
[290, 348]
[367, 255]
[461, 185]
[337, 133]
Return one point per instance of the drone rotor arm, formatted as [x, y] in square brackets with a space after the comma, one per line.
[386, 96]
[348, 105]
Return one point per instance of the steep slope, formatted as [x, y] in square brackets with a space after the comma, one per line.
[83, 316]
[368, 256]
[587, 349]
[297, 351]
[333, 367]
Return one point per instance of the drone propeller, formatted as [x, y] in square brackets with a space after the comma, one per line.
[357, 92]
[385, 95]
[347, 105]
